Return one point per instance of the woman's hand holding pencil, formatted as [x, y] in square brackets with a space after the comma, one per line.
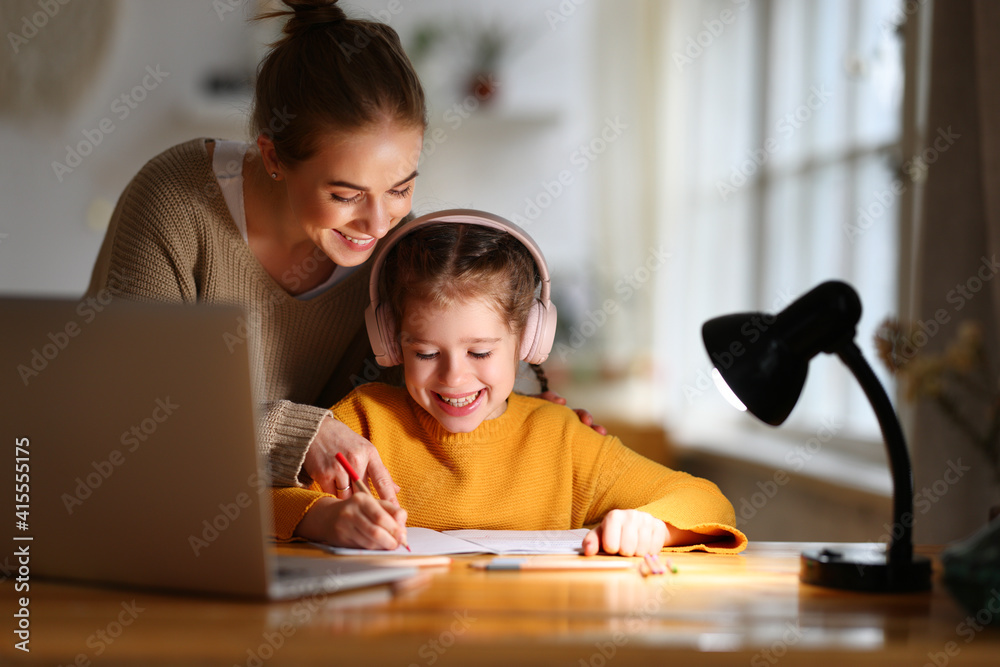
[361, 521]
[359, 487]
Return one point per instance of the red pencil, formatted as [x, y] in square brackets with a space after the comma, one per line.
[358, 485]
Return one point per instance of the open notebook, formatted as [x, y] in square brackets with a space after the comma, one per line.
[427, 542]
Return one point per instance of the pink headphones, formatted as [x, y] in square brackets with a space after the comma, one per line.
[540, 330]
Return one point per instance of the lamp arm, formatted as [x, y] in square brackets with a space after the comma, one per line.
[901, 547]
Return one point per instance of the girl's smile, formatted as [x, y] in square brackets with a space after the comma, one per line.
[460, 361]
[460, 406]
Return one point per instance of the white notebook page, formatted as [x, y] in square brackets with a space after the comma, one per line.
[427, 542]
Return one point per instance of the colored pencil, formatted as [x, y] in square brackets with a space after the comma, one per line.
[359, 486]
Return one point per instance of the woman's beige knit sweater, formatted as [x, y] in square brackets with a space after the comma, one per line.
[173, 239]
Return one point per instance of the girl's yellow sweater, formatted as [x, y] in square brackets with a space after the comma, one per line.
[536, 467]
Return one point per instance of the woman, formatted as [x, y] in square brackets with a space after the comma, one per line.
[283, 228]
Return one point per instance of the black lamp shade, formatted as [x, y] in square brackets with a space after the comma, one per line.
[767, 379]
[764, 358]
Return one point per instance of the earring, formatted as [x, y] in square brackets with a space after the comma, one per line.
[274, 175]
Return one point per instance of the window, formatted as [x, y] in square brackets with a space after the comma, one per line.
[779, 136]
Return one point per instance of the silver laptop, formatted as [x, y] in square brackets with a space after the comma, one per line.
[131, 430]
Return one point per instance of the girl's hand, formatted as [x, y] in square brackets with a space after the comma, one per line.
[361, 521]
[322, 466]
[585, 417]
[627, 533]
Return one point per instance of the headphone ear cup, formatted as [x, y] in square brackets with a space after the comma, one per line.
[387, 329]
[539, 333]
[381, 334]
[527, 346]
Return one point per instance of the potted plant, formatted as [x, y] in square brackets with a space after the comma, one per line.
[957, 381]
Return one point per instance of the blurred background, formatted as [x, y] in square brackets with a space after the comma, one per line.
[674, 159]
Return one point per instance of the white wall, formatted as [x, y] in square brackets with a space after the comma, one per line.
[50, 247]
[496, 158]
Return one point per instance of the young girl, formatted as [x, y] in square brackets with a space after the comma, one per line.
[469, 453]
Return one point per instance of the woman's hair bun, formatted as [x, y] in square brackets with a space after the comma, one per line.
[314, 81]
[307, 14]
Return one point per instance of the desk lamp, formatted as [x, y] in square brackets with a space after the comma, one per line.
[761, 363]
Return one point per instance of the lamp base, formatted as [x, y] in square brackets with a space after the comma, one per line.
[868, 570]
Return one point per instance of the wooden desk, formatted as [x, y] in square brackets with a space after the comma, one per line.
[717, 610]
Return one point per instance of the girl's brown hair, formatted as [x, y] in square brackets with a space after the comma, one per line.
[330, 73]
[450, 262]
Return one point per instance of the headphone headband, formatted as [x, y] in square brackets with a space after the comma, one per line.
[542, 319]
[465, 216]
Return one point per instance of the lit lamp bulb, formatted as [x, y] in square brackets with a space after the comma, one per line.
[727, 393]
